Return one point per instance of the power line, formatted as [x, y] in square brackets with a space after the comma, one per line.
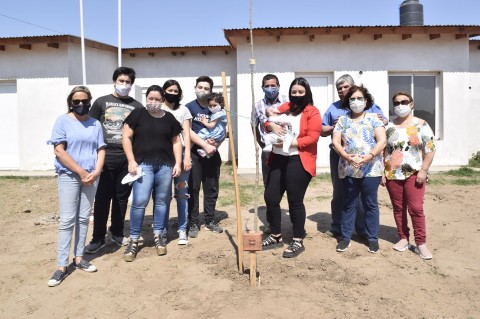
[36, 25]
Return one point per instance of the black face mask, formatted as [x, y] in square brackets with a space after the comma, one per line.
[171, 98]
[81, 110]
[297, 100]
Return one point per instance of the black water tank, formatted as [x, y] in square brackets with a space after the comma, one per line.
[411, 13]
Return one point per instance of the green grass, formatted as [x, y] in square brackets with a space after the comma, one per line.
[464, 176]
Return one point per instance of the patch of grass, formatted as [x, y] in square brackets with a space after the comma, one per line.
[474, 161]
[16, 178]
[464, 172]
[466, 182]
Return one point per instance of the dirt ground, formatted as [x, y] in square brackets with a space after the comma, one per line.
[201, 280]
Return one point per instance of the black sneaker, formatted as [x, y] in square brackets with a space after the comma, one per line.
[343, 245]
[84, 265]
[193, 231]
[211, 226]
[57, 278]
[373, 246]
[272, 242]
[294, 249]
[93, 247]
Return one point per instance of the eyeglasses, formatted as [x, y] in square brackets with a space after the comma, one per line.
[77, 102]
[403, 102]
[360, 98]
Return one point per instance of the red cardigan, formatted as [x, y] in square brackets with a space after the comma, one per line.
[307, 139]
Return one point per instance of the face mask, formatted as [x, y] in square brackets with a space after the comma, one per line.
[297, 100]
[81, 110]
[122, 90]
[271, 92]
[171, 98]
[153, 108]
[357, 106]
[402, 110]
[202, 95]
[215, 109]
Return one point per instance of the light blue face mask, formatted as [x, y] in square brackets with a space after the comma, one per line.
[271, 92]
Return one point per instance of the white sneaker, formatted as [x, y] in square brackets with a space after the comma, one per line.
[182, 237]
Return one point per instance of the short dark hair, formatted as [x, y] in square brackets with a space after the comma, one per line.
[204, 78]
[123, 70]
[366, 95]
[76, 89]
[217, 97]
[170, 83]
[155, 88]
[270, 77]
[297, 109]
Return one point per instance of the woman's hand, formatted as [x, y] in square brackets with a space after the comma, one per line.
[132, 167]
[187, 163]
[91, 178]
[421, 177]
[277, 129]
[383, 181]
[176, 170]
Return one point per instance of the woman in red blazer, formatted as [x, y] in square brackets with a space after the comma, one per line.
[292, 168]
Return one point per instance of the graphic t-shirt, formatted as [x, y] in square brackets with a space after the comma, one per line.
[111, 111]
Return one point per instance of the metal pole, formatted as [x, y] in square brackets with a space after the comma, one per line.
[82, 37]
[119, 33]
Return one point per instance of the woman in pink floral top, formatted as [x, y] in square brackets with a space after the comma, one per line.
[408, 155]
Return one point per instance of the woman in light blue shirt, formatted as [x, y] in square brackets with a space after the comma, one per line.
[78, 145]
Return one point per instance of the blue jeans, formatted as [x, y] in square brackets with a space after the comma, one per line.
[180, 186]
[337, 200]
[157, 178]
[368, 188]
[75, 204]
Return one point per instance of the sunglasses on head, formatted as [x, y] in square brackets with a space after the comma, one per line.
[77, 102]
[403, 102]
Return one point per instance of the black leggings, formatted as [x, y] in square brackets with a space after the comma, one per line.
[287, 174]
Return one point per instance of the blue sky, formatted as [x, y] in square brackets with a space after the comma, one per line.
[157, 23]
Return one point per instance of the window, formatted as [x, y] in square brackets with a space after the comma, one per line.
[425, 91]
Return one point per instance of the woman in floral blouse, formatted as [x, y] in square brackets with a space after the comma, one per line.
[359, 138]
[409, 153]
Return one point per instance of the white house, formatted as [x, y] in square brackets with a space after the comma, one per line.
[440, 65]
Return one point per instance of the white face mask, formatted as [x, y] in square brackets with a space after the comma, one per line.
[402, 110]
[122, 90]
[357, 106]
[201, 95]
[215, 109]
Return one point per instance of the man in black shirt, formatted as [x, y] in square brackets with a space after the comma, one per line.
[111, 110]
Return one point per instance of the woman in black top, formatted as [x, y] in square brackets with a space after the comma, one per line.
[153, 147]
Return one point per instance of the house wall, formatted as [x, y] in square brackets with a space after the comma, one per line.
[369, 62]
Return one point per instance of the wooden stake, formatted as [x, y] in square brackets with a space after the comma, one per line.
[253, 269]
[235, 177]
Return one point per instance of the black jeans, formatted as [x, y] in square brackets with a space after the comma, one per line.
[206, 173]
[110, 189]
[287, 174]
[265, 172]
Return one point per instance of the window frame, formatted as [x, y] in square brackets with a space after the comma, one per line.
[438, 102]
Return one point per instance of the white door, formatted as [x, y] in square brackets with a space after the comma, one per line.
[321, 85]
[9, 129]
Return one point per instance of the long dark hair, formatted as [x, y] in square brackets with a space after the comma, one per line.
[308, 99]
[168, 84]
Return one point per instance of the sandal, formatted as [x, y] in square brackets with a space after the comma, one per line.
[272, 242]
[294, 249]
[131, 251]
